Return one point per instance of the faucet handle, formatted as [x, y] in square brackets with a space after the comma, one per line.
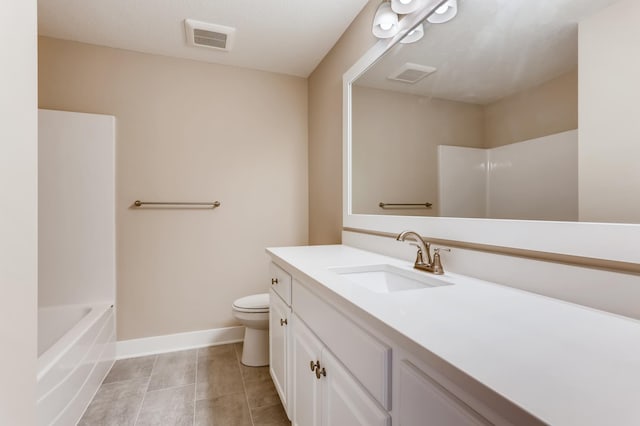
[437, 263]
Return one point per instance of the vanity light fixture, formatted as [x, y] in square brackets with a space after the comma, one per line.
[444, 13]
[403, 7]
[385, 21]
[414, 35]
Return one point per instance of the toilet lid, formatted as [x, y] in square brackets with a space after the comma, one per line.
[253, 303]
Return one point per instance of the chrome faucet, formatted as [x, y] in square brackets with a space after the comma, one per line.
[424, 247]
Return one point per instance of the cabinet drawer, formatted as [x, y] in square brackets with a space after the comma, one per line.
[368, 359]
[281, 283]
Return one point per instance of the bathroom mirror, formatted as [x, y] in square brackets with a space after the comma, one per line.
[519, 110]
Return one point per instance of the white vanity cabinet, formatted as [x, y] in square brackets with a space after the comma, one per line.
[279, 334]
[466, 354]
[331, 368]
[324, 392]
[330, 371]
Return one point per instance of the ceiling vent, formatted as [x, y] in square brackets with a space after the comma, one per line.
[213, 36]
[411, 73]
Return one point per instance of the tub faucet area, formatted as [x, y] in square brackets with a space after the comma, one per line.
[434, 265]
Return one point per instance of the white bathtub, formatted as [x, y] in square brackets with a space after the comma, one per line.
[76, 349]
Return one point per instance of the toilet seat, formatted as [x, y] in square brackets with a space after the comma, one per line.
[256, 303]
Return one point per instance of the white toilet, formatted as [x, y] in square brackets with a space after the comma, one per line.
[253, 312]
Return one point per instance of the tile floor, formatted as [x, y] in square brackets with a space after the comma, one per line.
[198, 387]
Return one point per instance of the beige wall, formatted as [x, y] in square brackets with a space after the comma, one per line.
[18, 211]
[609, 124]
[190, 131]
[551, 107]
[325, 128]
[395, 140]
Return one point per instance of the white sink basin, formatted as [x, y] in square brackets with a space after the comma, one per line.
[388, 278]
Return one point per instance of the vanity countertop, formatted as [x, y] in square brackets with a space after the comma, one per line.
[564, 363]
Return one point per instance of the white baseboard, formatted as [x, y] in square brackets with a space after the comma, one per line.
[177, 342]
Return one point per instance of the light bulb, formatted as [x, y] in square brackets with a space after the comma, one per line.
[444, 13]
[385, 21]
[442, 9]
[405, 7]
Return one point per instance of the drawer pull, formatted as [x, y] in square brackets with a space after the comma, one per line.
[283, 322]
[320, 373]
[314, 365]
[274, 281]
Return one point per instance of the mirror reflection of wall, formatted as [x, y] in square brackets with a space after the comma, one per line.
[491, 133]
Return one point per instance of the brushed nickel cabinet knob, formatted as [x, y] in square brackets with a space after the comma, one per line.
[320, 373]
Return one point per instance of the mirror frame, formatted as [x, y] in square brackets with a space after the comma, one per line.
[618, 242]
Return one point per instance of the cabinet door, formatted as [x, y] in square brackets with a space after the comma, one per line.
[306, 349]
[368, 359]
[424, 402]
[345, 401]
[278, 332]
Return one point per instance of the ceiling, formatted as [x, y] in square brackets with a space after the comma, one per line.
[492, 49]
[283, 36]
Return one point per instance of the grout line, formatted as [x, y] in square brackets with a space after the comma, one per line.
[145, 391]
[244, 388]
[121, 381]
[184, 385]
[195, 389]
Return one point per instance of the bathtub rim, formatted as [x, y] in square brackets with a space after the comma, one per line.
[51, 356]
